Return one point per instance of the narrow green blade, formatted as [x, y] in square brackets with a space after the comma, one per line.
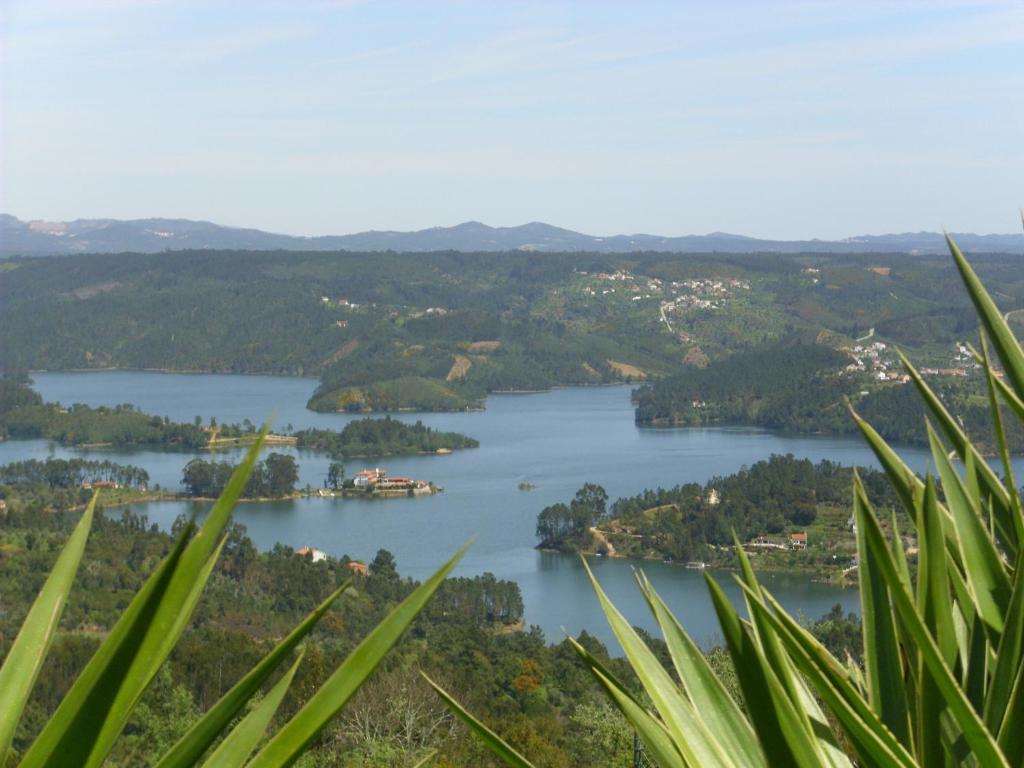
[906, 484]
[1009, 658]
[1011, 735]
[974, 731]
[782, 731]
[95, 710]
[883, 666]
[967, 452]
[651, 731]
[711, 701]
[983, 567]
[27, 654]
[204, 733]
[243, 738]
[493, 741]
[287, 745]
[875, 743]
[1003, 340]
[692, 739]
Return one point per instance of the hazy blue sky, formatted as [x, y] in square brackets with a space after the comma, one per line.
[812, 119]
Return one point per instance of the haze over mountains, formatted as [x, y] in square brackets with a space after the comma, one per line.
[40, 238]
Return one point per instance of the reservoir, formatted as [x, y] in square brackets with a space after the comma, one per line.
[555, 440]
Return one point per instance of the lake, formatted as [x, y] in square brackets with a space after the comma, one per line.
[556, 440]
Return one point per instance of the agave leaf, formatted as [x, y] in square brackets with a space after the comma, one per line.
[985, 575]
[236, 747]
[906, 484]
[652, 731]
[883, 665]
[711, 701]
[493, 741]
[287, 745]
[691, 737]
[26, 656]
[1009, 659]
[933, 603]
[1011, 735]
[204, 733]
[95, 710]
[804, 704]
[1004, 448]
[992, 319]
[875, 743]
[974, 730]
[783, 732]
[965, 449]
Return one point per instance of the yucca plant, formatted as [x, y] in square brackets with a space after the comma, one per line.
[93, 713]
[942, 683]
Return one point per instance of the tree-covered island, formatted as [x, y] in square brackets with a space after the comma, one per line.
[791, 513]
[24, 415]
[381, 437]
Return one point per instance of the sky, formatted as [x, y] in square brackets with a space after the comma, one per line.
[786, 120]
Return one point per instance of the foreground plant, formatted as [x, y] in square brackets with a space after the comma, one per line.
[943, 677]
[92, 715]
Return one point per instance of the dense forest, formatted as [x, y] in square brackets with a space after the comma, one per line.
[439, 331]
[272, 478]
[804, 388]
[381, 437]
[689, 521]
[537, 694]
[785, 386]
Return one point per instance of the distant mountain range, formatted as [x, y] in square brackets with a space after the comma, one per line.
[46, 238]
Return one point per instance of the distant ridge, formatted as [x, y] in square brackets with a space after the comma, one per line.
[41, 238]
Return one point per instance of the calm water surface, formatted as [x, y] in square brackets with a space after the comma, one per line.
[556, 440]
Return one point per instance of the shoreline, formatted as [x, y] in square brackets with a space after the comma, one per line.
[820, 576]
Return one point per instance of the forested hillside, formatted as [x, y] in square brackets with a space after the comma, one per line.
[439, 331]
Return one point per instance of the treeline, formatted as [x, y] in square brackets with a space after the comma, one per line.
[56, 484]
[24, 416]
[273, 477]
[381, 437]
[687, 521]
[790, 386]
[483, 600]
[897, 412]
[70, 473]
[799, 388]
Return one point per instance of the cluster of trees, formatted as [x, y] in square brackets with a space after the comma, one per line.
[687, 521]
[57, 483]
[799, 388]
[273, 477]
[567, 526]
[24, 415]
[70, 473]
[483, 600]
[789, 386]
[120, 426]
[898, 413]
[381, 437]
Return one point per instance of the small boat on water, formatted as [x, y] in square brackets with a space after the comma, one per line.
[697, 565]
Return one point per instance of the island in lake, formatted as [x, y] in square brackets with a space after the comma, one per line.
[376, 482]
